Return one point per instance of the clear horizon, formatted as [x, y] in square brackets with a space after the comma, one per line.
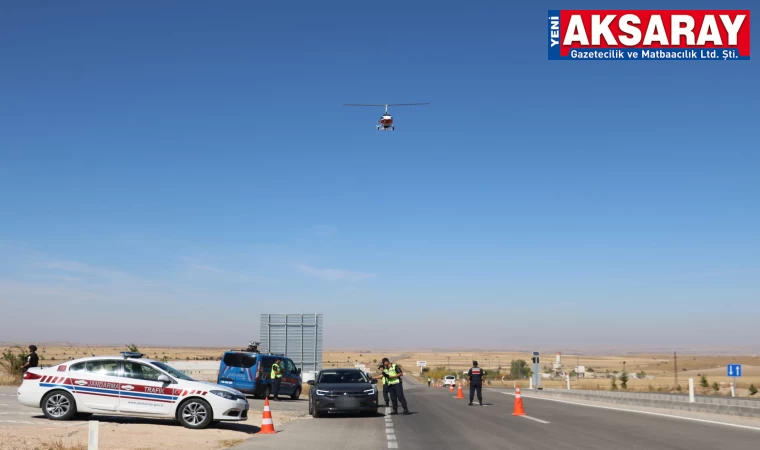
[171, 172]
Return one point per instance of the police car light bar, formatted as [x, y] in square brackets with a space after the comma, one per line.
[132, 355]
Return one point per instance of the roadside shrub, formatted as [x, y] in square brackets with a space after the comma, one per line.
[752, 389]
[12, 362]
[715, 387]
[614, 385]
[624, 380]
[704, 382]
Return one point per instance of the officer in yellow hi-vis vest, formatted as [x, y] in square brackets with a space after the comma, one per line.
[393, 373]
[276, 377]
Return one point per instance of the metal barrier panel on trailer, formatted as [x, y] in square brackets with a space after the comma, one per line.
[297, 336]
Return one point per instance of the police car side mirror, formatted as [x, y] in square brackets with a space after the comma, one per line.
[373, 381]
[164, 378]
[310, 382]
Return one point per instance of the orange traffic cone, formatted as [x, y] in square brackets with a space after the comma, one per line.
[460, 394]
[267, 426]
[451, 388]
[519, 410]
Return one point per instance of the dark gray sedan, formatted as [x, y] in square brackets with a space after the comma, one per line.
[342, 391]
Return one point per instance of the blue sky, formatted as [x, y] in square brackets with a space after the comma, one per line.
[184, 165]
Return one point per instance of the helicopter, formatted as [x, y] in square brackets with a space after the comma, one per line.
[386, 121]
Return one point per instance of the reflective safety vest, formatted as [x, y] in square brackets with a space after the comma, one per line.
[392, 371]
[275, 370]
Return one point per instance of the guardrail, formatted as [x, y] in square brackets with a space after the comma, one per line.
[715, 405]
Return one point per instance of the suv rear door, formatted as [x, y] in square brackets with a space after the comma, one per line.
[238, 370]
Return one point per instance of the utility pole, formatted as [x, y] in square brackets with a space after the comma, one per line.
[675, 367]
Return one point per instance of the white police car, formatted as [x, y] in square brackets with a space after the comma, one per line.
[129, 385]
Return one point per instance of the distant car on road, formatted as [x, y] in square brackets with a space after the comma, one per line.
[449, 380]
[342, 391]
[249, 372]
[129, 385]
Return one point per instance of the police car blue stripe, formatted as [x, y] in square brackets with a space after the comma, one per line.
[110, 391]
[144, 395]
[56, 385]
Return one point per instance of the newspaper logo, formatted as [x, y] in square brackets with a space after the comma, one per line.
[717, 35]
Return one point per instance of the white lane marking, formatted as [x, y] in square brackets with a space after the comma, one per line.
[533, 418]
[390, 436]
[649, 413]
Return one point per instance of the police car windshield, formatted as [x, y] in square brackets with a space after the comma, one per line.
[172, 371]
[343, 376]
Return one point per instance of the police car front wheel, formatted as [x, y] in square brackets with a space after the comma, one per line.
[195, 413]
[59, 405]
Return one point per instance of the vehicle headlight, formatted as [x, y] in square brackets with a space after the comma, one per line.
[370, 392]
[321, 392]
[224, 394]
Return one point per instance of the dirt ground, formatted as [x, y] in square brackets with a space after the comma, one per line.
[135, 434]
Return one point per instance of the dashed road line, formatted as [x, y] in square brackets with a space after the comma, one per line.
[390, 434]
[533, 418]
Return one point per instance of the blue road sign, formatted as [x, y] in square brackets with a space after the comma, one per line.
[734, 370]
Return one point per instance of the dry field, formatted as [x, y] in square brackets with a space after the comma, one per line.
[659, 366]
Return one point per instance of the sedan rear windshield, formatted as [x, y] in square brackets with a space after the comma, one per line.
[239, 360]
[343, 376]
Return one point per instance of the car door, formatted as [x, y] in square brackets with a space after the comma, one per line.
[290, 372]
[96, 384]
[141, 392]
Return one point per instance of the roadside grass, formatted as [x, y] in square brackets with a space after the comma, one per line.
[59, 445]
[7, 380]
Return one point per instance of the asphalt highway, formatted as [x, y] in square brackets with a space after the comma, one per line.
[442, 422]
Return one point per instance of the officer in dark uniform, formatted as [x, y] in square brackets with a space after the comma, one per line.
[32, 360]
[386, 389]
[475, 377]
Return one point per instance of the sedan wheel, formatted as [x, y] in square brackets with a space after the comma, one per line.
[59, 405]
[195, 413]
